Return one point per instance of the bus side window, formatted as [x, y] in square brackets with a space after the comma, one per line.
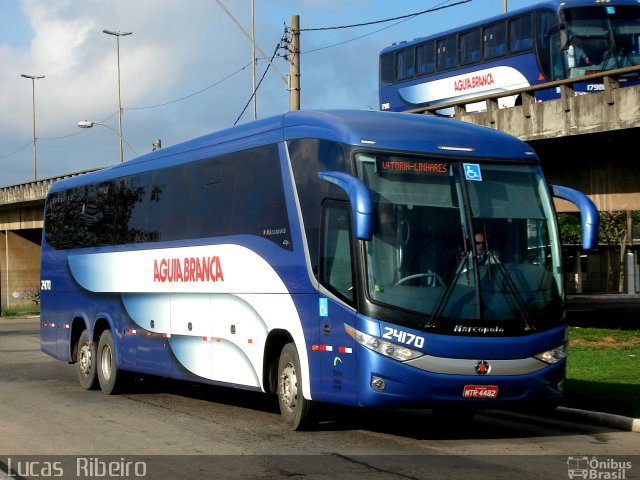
[336, 267]
[469, 45]
[447, 53]
[494, 40]
[387, 65]
[404, 64]
[425, 59]
[520, 34]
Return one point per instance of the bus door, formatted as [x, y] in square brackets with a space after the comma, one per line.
[335, 349]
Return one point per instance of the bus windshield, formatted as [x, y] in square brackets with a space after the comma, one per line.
[602, 37]
[454, 240]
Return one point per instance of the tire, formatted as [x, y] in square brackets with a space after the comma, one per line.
[109, 377]
[295, 409]
[86, 360]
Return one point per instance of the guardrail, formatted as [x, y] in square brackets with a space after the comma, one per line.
[609, 79]
[34, 190]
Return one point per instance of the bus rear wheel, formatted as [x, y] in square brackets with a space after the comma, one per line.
[295, 409]
[109, 376]
[86, 362]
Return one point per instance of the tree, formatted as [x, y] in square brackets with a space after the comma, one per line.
[616, 227]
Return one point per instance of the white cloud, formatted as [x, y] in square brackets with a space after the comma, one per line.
[177, 48]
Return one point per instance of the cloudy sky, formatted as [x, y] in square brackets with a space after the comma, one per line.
[185, 70]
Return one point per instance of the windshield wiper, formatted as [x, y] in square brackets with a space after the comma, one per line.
[494, 260]
[464, 267]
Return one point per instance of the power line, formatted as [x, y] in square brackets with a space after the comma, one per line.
[375, 22]
[192, 94]
[18, 150]
[77, 133]
[275, 52]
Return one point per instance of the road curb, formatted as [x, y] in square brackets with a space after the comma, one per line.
[607, 419]
[560, 414]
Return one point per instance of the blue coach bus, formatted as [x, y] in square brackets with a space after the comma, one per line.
[551, 40]
[323, 256]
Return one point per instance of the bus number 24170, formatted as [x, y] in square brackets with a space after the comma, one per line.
[403, 337]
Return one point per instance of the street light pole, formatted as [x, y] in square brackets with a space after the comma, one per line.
[118, 35]
[33, 79]
[90, 124]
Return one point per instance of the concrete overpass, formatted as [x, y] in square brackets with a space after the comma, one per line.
[21, 218]
[569, 135]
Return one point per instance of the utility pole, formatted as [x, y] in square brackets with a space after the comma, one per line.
[504, 3]
[294, 65]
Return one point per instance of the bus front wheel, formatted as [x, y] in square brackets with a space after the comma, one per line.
[86, 362]
[109, 376]
[295, 409]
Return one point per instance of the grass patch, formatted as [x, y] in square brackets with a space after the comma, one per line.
[20, 311]
[603, 368]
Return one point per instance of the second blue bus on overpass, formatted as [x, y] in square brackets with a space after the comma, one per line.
[550, 40]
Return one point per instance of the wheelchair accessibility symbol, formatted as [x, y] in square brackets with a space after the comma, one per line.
[472, 171]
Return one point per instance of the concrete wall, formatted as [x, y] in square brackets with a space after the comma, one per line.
[19, 268]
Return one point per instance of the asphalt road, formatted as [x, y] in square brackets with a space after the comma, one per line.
[618, 311]
[175, 430]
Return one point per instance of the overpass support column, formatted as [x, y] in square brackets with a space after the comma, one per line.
[631, 272]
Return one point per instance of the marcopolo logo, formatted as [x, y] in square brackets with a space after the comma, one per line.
[593, 468]
[482, 330]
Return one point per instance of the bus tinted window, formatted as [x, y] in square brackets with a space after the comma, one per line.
[336, 270]
[132, 214]
[309, 156]
[469, 47]
[387, 65]
[425, 58]
[194, 200]
[494, 39]
[520, 34]
[547, 36]
[446, 50]
[404, 64]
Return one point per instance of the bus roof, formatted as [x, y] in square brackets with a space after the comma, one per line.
[546, 4]
[368, 129]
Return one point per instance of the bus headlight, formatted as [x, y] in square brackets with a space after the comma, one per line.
[388, 349]
[554, 355]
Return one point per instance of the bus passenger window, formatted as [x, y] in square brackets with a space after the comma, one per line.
[447, 53]
[425, 59]
[387, 68]
[494, 40]
[520, 34]
[404, 64]
[469, 43]
[336, 271]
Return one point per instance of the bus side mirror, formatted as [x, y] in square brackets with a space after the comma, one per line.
[588, 214]
[360, 198]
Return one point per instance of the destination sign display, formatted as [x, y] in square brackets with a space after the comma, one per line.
[411, 166]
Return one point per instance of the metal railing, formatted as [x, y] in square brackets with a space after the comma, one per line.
[610, 79]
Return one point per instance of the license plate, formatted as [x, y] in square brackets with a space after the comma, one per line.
[480, 391]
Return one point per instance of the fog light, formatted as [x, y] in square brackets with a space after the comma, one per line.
[378, 384]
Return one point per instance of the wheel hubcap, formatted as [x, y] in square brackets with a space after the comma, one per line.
[289, 387]
[84, 359]
[106, 363]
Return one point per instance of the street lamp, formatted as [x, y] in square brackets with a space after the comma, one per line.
[118, 35]
[33, 79]
[89, 124]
